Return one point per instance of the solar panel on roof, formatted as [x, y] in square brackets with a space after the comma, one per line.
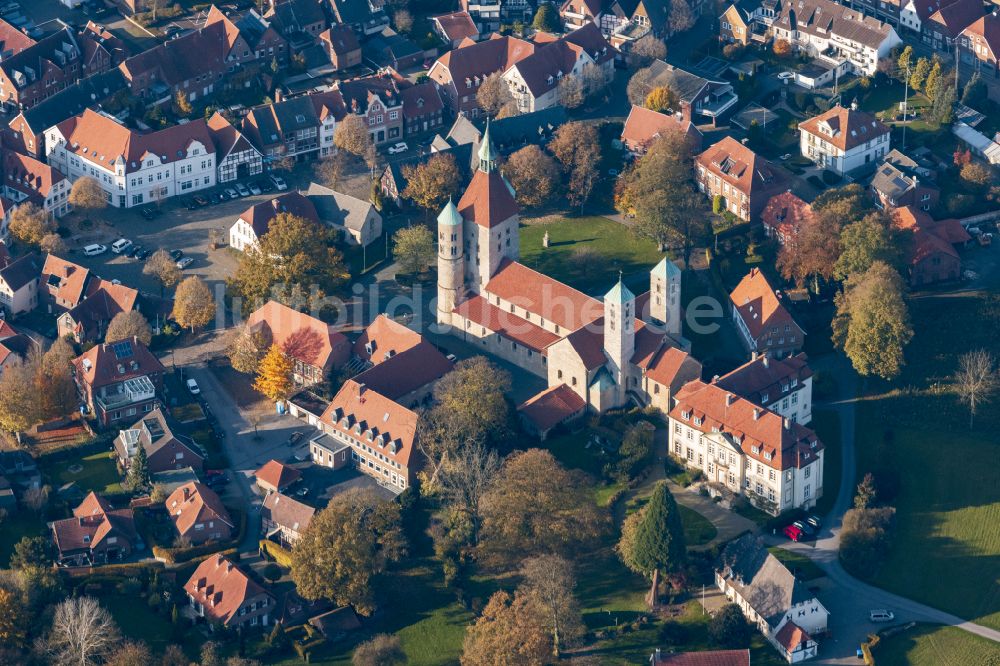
[122, 349]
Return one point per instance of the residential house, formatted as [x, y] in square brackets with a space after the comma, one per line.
[254, 222]
[27, 179]
[357, 221]
[887, 11]
[13, 345]
[26, 131]
[700, 100]
[979, 46]
[251, 41]
[743, 180]
[275, 477]
[901, 181]
[843, 140]
[18, 470]
[118, 380]
[781, 606]
[388, 48]
[578, 13]
[764, 324]
[931, 247]
[342, 47]
[284, 519]
[643, 127]
[534, 79]
[220, 592]
[455, 27]
[553, 407]
[299, 21]
[490, 14]
[199, 515]
[508, 134]
[40, 70]
[364, 17]
[235, 157]
[89, 319]
[19, 285]
[133, 168]
[165, 449]
[314, 347]
[745, 449]
[836, 36]
[459, 73]
[101, 49]
[62, 284]
[12, 40]
[782, 385]
[379, 100]
[784, 216]
[701, 658]
[944, 26]
[913, 13]
[298, 128]
[96, 534]
[423, 109]
[747, 21]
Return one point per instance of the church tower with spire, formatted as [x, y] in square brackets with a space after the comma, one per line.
[451, 260]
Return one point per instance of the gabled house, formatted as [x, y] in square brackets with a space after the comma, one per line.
[299, 128]
[284, 519]
[275, 477]
[455, 27]
[782, 607]
[12, 40]
[222, 594]
[784, 216]
[459, 73]
[913, 13]
[235, 156]
[96, 534]
[931, 246]
[198, 514]
[379, 100]
[254, 222]
[19, 285]
[299, 21]
[357, 220]
[13, 345]
[783, 385]
[118, 380]
[700, 100]
[765, 326]
[843, 140]
[165, 449]
[27, 179]
[89, 319]
[341, 46]
[643, 127]
[555, 406]
[490, 14]
[423, 109]
[979, 46]
[944, 26]
[747, 21]
[40, 70]
[743, 180]
[578, 13]
[62, 284]
[250, 41]
[626, 21]
[314, 347]
[101, 49]
[364, 17]
[388, 48]
[901, 181]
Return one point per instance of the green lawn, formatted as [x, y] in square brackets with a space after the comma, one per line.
[826, 424]
[915, 435]
[99, 473]
[800, 565]
[14, 528]
[137, 620]
[588, 252]
[698, 530]
[928, 645]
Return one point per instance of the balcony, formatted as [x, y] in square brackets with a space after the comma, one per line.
[129, 392]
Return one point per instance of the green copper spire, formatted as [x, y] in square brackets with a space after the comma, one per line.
[487, 151]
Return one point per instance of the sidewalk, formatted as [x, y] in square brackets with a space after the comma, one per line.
[729, 523]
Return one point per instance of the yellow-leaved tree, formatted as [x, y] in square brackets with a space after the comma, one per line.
[274, 375]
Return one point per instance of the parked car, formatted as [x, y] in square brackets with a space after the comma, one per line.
[805, 527]
[231, 193]
[94, 250]
[302, 492]
[400, 147]
[793, 533]
[133, 251]
[264, 185]
[254, 188]
[815, 521]
[881, 615]
[985, 239]
[143, 254]
[242, 189]
[214, 198]
[176, 254]
[149, 212]
[185, 262]
[192, 387]
[121, 245]
[279, 182]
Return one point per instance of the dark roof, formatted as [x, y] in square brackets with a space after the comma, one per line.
[760, 578]
[56, 50]
[86, 93]
[22, 271]
[386, 47]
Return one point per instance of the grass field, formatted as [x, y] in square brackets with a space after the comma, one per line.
[698, 530]
[14, 528]
[915, 436]
[928, 645]
[800, 565]
[587, 253]
[137, 620]
[99, 473]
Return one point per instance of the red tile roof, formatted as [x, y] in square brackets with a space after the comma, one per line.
[956, 16]
[551, 407]
[544, 296]
[385, 337]
[104, 300]
[221, 588]
[194, 503]
[407, 371]
[457, 26]
[786, 213]
[356, 406]
[765, 375]
[277, 475]
[480, 59]
[759, 306]
[666, 365]
[341, 39]
[287, 512]
[421, 100]
[226, 137]
[259, 215]
[707, 658]
[643, 127]
[849, 128]
[99, 366]
[988, 30]
[488, 200]
[300, 336]
[64, 279]
[29, 176]
[483, 313]
[12, 40]
[780, 443]
[741, 167]
[791, 635]
[929, 236]
[540, 70]
[92, 522]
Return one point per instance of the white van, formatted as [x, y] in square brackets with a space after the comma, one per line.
[881, 615]
[121, 245]
[96, 248]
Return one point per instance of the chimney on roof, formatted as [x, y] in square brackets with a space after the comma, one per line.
[766, 361]
[753, 356]
[187, 493]
[788, 423]
[730, 399]
[278, 96]
[756, 413]
[361, 388]
[854, 104]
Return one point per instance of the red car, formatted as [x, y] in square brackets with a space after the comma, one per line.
[793, 533]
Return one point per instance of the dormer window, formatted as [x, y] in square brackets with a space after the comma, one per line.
[686, 415]
[768, 455]
[755, 450]
[697, 421]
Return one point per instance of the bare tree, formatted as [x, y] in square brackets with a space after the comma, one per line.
[976, 380]
[82, 632]
[495, 97]
[36, 498]
[647, 49]
[465, 478]
[549, 582]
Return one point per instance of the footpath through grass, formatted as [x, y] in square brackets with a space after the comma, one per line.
[941, 476]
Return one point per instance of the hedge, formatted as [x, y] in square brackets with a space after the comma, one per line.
[178, 555]
[278, 553]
